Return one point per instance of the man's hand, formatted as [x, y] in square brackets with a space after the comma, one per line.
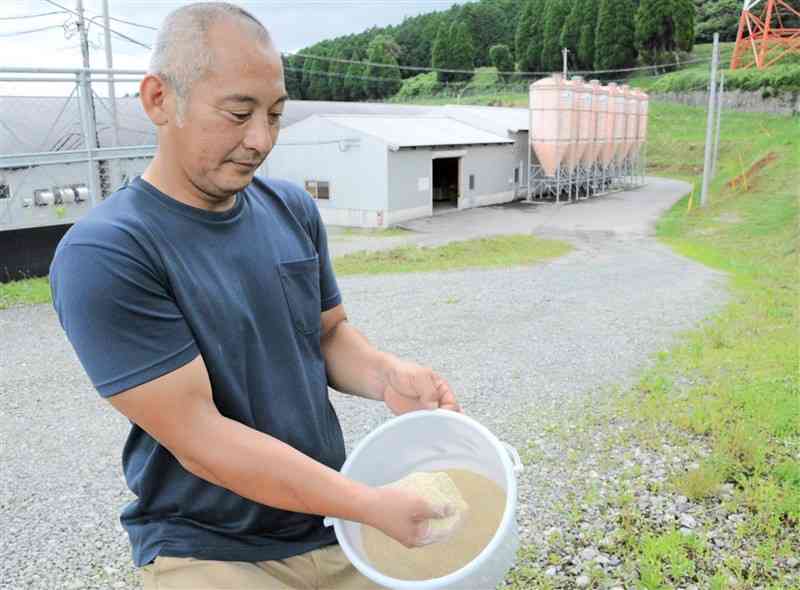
[405, 516]
[411, 387]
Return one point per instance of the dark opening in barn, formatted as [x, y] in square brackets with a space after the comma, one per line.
[446, 187]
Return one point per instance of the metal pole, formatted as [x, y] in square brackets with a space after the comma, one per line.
[112, 95]
[87, 125]
[564, 53]
[712, 99]
[719, 121]
[90, 116]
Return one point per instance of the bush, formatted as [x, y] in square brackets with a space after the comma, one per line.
[419, 85]
[780, 78]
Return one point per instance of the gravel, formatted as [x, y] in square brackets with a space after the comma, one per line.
[527, 350]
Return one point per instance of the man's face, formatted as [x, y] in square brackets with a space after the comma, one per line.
[231, 119]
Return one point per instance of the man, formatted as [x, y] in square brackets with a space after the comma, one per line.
[202, 304]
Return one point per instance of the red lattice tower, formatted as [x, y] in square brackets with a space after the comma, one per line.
[763, 39]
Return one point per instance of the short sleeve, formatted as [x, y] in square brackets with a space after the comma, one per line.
[118, 316]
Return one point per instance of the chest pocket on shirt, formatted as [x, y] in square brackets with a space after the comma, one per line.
[300, 281]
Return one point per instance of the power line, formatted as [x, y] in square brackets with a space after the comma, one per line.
[133, 24]
[132, 40]
[17, 33]
[473, 71]
[32, 15]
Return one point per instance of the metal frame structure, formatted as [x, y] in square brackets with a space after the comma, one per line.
[102, 164]
[764, 35]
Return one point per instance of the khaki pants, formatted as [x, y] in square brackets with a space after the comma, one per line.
[322, 569]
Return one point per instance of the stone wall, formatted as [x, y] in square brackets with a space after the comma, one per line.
[787, 103]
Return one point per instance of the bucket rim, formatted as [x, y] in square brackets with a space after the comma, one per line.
[505, 522]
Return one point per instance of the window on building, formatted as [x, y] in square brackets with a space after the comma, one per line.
[5, 191]
[516, 175]
[319, 189]
[472, 182]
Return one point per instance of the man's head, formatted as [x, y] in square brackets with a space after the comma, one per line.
[215, 90]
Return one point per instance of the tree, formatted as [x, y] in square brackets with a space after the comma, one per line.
[614, 37]
[355, 86]
[571, 30]
[684, 19]
[385, 81]
[461, 51]
[293, 75]
[453, 50]
[556, 13]
[439, 57]
[485, 23]
[586, 41]
[529, 36]
[318, 88]
[337, 71]
[522, 37]
[714, 16]
[500, 56]
[663, 27]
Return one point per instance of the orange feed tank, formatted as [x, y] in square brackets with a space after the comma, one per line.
[644, 107]
[631, 120]
[586, 124]
[575, 86]
[583, 135]
[610, 146]
[551, 121]
[598, 120]
[617, 106]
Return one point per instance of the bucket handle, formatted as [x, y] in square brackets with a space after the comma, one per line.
[515, 458]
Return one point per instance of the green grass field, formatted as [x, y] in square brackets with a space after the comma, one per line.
[482, 253]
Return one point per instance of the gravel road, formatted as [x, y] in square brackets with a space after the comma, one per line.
[526, 349]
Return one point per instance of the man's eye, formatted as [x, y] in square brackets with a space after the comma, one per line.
[275, 116]
[241, 116]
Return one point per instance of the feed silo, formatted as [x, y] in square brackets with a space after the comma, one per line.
[551, 104]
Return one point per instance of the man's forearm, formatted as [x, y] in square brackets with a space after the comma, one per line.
[355, 366]
[263, 469]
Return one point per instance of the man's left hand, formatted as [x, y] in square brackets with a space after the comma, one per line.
[411, 387]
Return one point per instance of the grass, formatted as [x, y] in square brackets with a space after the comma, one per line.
[499, 251]
[351, 232]
[480, 253]
[734, 381]
[24, 292]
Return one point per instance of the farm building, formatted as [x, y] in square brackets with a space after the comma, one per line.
[379, 170]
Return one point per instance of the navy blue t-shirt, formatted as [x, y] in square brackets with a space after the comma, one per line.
[143, 284]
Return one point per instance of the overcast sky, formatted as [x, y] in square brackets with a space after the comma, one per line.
[294, 24]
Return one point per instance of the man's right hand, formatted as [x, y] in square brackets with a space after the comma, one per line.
[405, 516]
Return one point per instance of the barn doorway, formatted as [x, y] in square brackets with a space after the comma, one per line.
[446, 184]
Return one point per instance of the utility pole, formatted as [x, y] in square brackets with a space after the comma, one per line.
[719, 121]
[564, 53]
[112, 96]
[712, 103]
[99, 171]
[88, 116]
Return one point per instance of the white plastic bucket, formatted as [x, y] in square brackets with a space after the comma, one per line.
[434, 441]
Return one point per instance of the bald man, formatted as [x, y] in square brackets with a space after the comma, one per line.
[202, 304]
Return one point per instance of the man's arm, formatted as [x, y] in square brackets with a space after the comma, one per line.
[355, 366]
[178, 410]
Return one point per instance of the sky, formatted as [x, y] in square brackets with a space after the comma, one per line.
[294, 24]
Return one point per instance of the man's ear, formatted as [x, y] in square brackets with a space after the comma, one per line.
[157, 99]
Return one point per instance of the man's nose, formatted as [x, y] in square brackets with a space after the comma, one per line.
[258, 136]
